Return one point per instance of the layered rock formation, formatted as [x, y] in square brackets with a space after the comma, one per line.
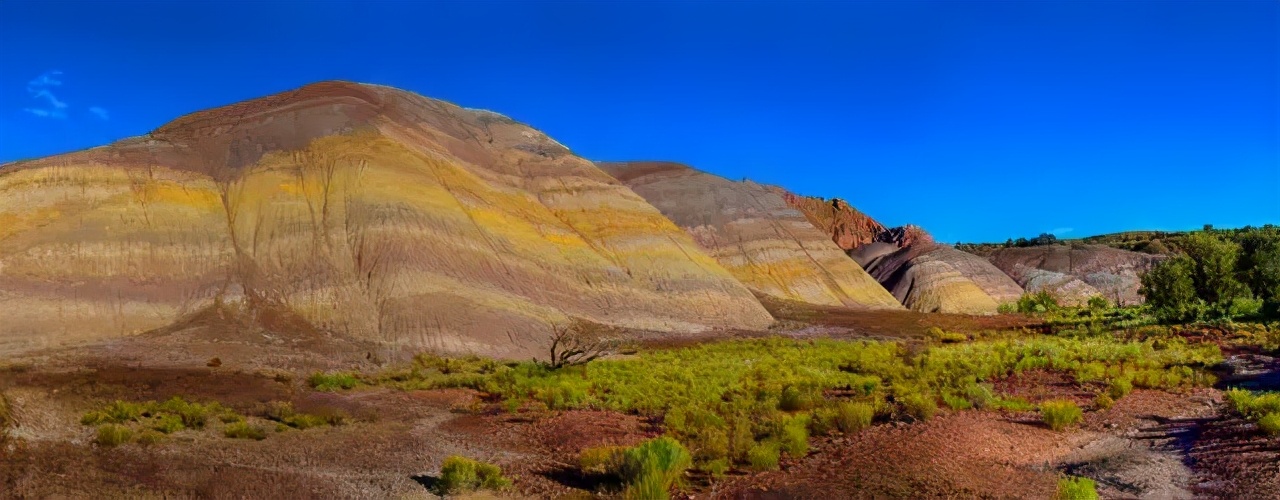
[359, 209]
[752, 232]
[847, 227]
[1077, 272]
[921, 274]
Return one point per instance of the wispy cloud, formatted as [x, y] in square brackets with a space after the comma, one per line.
[99, 112]
[1061, 231]
[39, 89]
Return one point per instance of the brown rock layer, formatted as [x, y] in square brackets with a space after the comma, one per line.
[753, 233]
[848, 227]
[364, 210]
[930, 277]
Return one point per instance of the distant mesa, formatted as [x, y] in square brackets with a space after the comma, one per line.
[360, 209]
[751, 231]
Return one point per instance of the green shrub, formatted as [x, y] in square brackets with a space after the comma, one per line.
[1104, 401]
[764, 456]
[823, 421]
[149, 437]
[602, 460]
[1120, 388]
[1077, 488]
[461, 474]
[113, 435]
[717, 468]
[1270, 424]
[330, 382]
[652, 468]
[243, 430]
[853, 417]
[795, 399]
[167, 424]
[920, 406]
[1060, 414]
[795, 437]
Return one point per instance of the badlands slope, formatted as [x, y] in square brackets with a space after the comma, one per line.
[753, 233]
[923, 275]
[358, 209]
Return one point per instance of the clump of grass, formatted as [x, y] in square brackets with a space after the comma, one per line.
[919, 406]
[652, 468]
[244, 430]
[853, 417]
[1104, 401]
[1060, 414]
[944, 336]
[1077, 488]
[461, 474]
[149, 437]
[1120, 388]
[334, 381]
[1262, 407]
[283, 412]
[764, 456]
[605, 460]
[113, 435]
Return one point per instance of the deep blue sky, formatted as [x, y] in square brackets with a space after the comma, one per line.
[977, 120]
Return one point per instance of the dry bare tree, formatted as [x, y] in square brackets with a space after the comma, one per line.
[579, 342]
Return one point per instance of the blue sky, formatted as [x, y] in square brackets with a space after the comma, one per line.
[977, 120]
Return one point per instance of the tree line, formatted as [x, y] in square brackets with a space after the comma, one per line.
[1217, 274]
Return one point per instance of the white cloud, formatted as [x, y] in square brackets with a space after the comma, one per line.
[38, 88]
[99, 112]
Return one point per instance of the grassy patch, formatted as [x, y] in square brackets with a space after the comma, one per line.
[1060, 414]
[329, 382]
[1077, 488]
[244, 430]
[113, 435]
[461, 474]
[1261, 407]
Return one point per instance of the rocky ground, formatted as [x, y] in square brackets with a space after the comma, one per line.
[1151, 444]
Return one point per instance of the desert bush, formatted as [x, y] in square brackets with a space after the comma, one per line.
[1060, 414]
[853, 417]
[1270, 423]
[944, 336]
[113, 435]
[1037, 303]
[244, 430]
[919, 406]
[1120, 387]
[283, 412]
[794, 438]
[652, 468]
[579, 342]
[461, 474]
[605, 460]
[1104, 401]
[167, 424]
[149, 437]
[329, 382]
[764, 456]
[1077, 488]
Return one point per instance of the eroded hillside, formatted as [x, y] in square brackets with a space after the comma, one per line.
[359, 209]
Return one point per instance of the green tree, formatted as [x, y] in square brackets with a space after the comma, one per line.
[1171, 292]
[1214, 271]
[1259, 265]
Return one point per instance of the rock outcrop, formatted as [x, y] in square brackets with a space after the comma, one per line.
[923, 275]
[752, 232]
[360, 209]
[1077, 272]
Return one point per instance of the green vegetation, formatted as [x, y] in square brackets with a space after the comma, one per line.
[1217, 275]
[1261, 407]
[461, 474]
[120, 421]
[244, 430]
[1060, 414]
[1077, 488]
[329, 382]
[745, 403]
[652, 468]
[113, 435]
